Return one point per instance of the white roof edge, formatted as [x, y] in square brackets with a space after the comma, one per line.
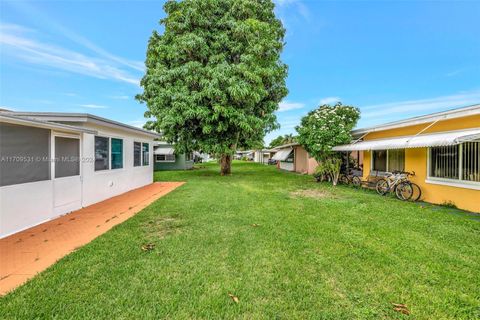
[42, 124]
[443, 115]
[444, 138]
[288, 145]
[81, 117]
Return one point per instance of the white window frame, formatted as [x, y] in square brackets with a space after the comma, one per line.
[54, 134]
[459, 183]
[386, 166]
[110, 154]
[171, 161]
[149, 153]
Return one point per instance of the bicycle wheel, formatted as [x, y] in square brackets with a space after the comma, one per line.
[357, 182]
[382, 187]
[343, 179]
[404, 191]
[417, 192]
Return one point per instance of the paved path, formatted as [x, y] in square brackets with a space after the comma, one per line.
[24, 254]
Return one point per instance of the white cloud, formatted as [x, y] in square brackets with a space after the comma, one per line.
[287, 106]
[120, 97]
[49, 22]
[420, 105]
[18, 45]
[93, 106]
[329, 100]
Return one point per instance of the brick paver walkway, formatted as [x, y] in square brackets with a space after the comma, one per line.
[24, 254]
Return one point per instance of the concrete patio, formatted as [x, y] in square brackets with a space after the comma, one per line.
[24, 254]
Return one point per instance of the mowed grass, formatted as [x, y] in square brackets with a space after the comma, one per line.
[287, 247]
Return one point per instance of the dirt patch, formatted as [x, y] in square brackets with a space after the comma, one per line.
[313, 193]
[163, 226]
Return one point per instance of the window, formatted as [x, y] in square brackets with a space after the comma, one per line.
[145, 154]
[165, 158]
[67, 157]
[137, 154]
[117, 153]
[388, 160]
[380, 160]
[471, 161]
[396, 160]
[101, 153]
[460, 162]
[24, 154]
[189, 156]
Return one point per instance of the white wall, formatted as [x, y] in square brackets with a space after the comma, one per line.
[101, 185]
[25, 205]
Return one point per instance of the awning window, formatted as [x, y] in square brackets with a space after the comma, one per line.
[421, 141]
[282, 155]
[164, 150]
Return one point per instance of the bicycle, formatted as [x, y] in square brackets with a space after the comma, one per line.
[398, 183]
[350, 178]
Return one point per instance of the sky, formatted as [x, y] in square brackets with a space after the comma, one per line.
[392, 59]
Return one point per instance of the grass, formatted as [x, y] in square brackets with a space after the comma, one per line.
[287, 247]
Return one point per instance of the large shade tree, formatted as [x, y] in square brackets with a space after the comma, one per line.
[214, 78]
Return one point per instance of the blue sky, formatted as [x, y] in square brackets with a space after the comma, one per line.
[393, 59]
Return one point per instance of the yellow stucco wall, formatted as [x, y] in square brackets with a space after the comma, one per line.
[416, 160]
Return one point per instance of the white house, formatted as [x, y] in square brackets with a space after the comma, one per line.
[55, 163]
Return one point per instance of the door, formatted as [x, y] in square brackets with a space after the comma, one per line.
[67, 182]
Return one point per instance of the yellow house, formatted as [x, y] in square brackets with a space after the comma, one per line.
[443, 149]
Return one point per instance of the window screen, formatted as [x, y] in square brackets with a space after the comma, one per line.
[117, 153]
[67, 157]
[165, 158]
[137, 154]
[101, 153]
[380, 160]
[471, 161]
[396, 160]
[145, 154]
[24, 154]
[444, 162]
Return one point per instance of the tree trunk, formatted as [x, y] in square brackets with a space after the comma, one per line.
[225, 164]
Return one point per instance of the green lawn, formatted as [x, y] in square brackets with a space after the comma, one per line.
[318, 252]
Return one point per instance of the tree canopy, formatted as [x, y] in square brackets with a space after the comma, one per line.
[214, 78]
[322, 129]
[278, 141]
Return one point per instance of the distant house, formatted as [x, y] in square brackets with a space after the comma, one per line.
[55, 163]
[165, 158]
[262, 156]
[293, 157]
[247, 154]
[443, 149]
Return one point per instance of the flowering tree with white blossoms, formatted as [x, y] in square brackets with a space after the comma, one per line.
[322, 129]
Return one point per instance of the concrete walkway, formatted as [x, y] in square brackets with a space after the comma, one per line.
[24, 254]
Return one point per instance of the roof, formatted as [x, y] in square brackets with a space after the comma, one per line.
[438, 139]
[444, 115]
[79, 117]
[4, 117]
[282, 155]
[288, 145]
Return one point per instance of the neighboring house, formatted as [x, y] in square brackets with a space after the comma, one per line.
[443, 149]
[55, 163]
[248, 155]
[262, 156]
[166, 159]
[293, 157]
